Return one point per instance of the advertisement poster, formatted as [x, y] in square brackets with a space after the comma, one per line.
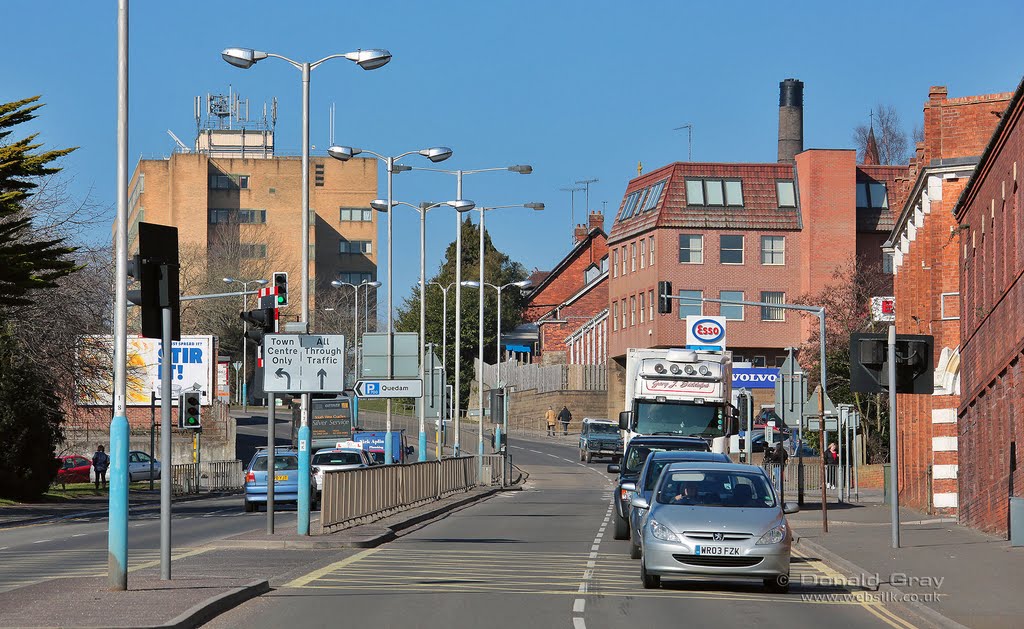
[192, 363]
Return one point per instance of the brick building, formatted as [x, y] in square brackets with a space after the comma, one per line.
[991, 241]
[744, 231]
[927, 289]
[571, 295]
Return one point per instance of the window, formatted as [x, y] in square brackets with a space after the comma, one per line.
[773, 250]
[252, 250]
[623, 314]
[731, 312]
[771, 313]
[643, 252]
[887, 263]
[630, 205]
[734, 193]
[356, 214]
[217, 216]
[229, 182]
[252, 216]
[632, 256]
[694, 192]
[738, 358]
[654, 196]
[355, 278]
[632, 310]
[691, 248]
[786, 192]
[731, 249]
[949, 305]
[780, 361]
[625, 262]
[872, 194]
[355, 246]
[650, 250]
[713, 192]
[641, 307]
[318, 175]
[590, 274]
[615, 316]
[650, 305]
[137, 190]
[615, 262]
[604, 263]
[690, 303]
[759, 361]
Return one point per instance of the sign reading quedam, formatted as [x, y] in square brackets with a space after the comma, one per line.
[389, 388]
[303, 363]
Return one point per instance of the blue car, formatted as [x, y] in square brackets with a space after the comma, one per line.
[286, 479]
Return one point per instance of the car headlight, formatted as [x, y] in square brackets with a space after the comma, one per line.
[662, 532]
[774, 536]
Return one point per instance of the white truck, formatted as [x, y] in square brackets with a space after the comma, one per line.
[679, 392]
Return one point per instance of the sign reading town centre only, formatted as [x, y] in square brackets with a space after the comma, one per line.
[303, 363]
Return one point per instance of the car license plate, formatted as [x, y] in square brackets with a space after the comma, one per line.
[717, 550]
[280, 477]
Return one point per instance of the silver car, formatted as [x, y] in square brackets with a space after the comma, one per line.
[715, 519]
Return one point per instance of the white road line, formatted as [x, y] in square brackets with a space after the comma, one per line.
[595, 547]
[79, 535]
[42, 541]
[591, 564]
[577, 605]
[583, 588]
[553, 456]
[588, 574]
[593, 555]
[4, 547]
[537, 451]
[578, 623]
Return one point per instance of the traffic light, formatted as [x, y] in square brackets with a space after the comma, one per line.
[664, 298]
[869, 363]
[188, 410]
[156, 269]
[281, 284]
[261, 321]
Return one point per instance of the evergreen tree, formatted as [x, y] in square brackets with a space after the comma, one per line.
[499, 270]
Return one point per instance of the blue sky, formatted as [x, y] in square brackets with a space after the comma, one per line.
[579, 90]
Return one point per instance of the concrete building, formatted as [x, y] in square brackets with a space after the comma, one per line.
[990, 417]
[744, 231]
[925, 264]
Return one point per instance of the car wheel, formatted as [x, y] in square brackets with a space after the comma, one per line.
[250, 507]
[621, 528]
[634, 551]
[777, 584]
[581, 454]
[650, 581]
[589, 457]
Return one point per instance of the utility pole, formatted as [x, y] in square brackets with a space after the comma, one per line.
[689, 140]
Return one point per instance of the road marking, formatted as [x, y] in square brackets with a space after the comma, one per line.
[591, 564]
[317, 574]
[4, 547]
[578, 623]
[595, 547]
[156, 562]
[537, 451]
[79, 535]
[593, 555]
[42, 541]
[578, 604]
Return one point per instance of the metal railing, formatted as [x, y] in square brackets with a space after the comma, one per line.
[547, 378]
[191, 478]
[812, 478]
[351, 496]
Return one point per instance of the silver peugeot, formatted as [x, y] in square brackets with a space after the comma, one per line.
[715, 520]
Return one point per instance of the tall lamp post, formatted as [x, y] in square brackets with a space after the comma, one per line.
[434, 154]
[366, 285]
[245, 328]
[245, 58]
[480, 383]
[522, 169]
[355, 309]
[444, 352]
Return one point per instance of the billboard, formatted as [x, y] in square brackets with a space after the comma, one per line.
[192, 364]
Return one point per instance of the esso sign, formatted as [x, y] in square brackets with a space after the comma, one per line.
[705, 331]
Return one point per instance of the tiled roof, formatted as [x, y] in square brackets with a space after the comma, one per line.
[895, 180]
[760, 204]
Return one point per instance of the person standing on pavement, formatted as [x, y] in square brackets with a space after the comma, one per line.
[100, 463]
[550, 417]
[831, 462]
[564, 417]
[779, 457]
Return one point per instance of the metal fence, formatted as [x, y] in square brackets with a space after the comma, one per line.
[547, 378]
[351, 496]
[812, 470]
[191, 478]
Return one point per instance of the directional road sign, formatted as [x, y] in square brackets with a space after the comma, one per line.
[303, 363]
[389, 388]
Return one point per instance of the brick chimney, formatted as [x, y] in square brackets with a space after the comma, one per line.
[791, 120]
[581, 233]
[595, 220]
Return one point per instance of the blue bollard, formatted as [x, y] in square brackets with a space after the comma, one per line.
[304, 477]
[117, 530]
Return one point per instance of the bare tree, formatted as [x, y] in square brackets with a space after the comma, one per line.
[890, 137]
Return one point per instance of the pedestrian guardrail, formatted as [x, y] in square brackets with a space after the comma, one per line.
[355, 496]
[812, 478]
[191, 478]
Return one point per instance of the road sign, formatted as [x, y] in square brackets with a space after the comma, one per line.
[705, 332]
[389, 388]
[303, 363]
[769, 430]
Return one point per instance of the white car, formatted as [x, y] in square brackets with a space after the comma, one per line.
[337, 459]
[138, 468]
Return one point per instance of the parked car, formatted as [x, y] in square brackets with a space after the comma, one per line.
[644, 486]
[74, 468]
[633, 460]
[329, 459]
[715, 520]
[138, 467]
[600, 437]
[286, 478]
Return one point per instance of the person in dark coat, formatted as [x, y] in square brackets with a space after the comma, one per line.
[831, 463]
[564, 417]
[100, 463]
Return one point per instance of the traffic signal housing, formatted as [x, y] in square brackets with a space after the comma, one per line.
[281, 284]
[261, 321]
[188, 411]
[664, 298]
[869, 363]
[156, 269]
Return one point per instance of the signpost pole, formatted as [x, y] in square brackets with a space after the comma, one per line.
[894, 488]
[166, 356]
[271, 443]
[152, 435]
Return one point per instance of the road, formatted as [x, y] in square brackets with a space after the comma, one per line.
[541, 557]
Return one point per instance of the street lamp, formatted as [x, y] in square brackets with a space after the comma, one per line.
[367, 285]
[480, 388]
[522, 169]
[355, 307]
[434, 154]
[444, 320]
[245, 329]
[245, 58]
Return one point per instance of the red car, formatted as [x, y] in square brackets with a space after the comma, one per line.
[74, 468]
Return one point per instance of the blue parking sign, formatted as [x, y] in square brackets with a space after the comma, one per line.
[372, 388]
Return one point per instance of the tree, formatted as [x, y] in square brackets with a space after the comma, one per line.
[890, 137]
[499, 270]
[847, 302]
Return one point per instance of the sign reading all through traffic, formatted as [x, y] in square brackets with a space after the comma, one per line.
[303, 363]
[389, 388]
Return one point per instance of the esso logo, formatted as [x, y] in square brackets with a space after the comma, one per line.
[707, 330]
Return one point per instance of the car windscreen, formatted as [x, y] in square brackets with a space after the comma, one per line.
[680, 419]
[604, 429]
[281, 462]
[636, 455]
[337, 458]
[709, 488]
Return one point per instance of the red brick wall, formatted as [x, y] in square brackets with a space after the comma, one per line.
[569, 281]
[991, 416]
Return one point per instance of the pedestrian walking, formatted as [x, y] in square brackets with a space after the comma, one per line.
[779, 457]
[831, 462]
[564, 417]
[550, 416]
[100, 463]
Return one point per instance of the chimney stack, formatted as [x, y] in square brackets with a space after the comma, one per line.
[791, 120]
[581, 233]
[595, 220]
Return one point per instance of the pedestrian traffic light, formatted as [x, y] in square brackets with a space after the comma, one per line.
[664, 297]
[156, 269]
[261, 321]
[281, 284]
[869, 363]
[188, 410]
